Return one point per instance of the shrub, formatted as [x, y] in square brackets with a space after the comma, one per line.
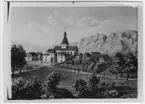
[93, 82]
[81, 87]
[53, 80]
[104, 84]
[35, 86]
[102, 67]
[110, 94]
[26, 89]
[130, 95]
[50, 83]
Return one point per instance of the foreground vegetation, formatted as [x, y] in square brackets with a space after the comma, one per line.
[65, 84]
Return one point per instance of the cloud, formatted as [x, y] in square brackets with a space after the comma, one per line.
[88, 22]
[57, 19]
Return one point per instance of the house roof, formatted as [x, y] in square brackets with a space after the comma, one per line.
[33, 54]
[46, 54]
[64, 54]
[69, 48]
[51, 50]
[39, 53]
[96, 53]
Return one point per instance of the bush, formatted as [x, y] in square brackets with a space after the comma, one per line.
[130, 95]
[53, 80]
[35, 89]
[102, 67]
[50, 84]
[110, 94]
[93, 82]
[104, 84]
[81, 87]
[26, 89]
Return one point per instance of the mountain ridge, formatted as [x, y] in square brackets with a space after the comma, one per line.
[123, 42]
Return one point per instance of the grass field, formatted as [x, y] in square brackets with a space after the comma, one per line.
[33, 63]
[69, 78]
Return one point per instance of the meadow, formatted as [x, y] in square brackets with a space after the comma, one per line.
[69, 78]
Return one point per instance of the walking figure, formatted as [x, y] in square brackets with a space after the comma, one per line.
[74, 71]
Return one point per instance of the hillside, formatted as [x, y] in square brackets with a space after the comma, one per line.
[110, 44]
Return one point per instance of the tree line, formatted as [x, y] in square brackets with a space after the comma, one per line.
[123, 64]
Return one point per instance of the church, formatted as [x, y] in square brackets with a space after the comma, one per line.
[61, 52]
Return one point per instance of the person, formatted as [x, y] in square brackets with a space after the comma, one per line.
[104, 74]
[74, 71]
[78, 70]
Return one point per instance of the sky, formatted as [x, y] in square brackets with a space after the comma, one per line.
[46, 25]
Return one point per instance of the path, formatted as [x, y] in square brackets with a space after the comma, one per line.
[82, 72]
[23, 71]
[65, 69]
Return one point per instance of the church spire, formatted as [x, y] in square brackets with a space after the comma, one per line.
[65, 40]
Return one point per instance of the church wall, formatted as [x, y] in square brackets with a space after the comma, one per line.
[70, 52]
[60, 58]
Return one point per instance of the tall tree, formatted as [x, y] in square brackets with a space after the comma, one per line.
[119, 59]
[114, 69]
[14, 53]
[131, 64]
[117, 64]
[21, 58]
[106, 58]
[18, 55]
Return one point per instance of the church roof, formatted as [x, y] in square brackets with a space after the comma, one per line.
[69, 48]
[65, 40]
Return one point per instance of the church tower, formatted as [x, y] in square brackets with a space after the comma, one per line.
[64, 43]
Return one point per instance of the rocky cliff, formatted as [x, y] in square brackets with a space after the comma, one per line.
[123, 42]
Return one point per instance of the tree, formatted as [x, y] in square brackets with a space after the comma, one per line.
[18, 55]
[14, 52]
[114, 69]
[131, 64]
[120, 62]
[21, 58]
[53, 80]
[81, 87]
[106, 58]
[93, 82]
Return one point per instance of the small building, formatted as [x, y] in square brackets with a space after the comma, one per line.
[61, 52]
[31, 56]
[61, 58]
[49, 56]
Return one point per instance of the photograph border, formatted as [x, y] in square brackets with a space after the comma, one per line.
[7, 45]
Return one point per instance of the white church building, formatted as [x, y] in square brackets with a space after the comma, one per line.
[60, 53]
